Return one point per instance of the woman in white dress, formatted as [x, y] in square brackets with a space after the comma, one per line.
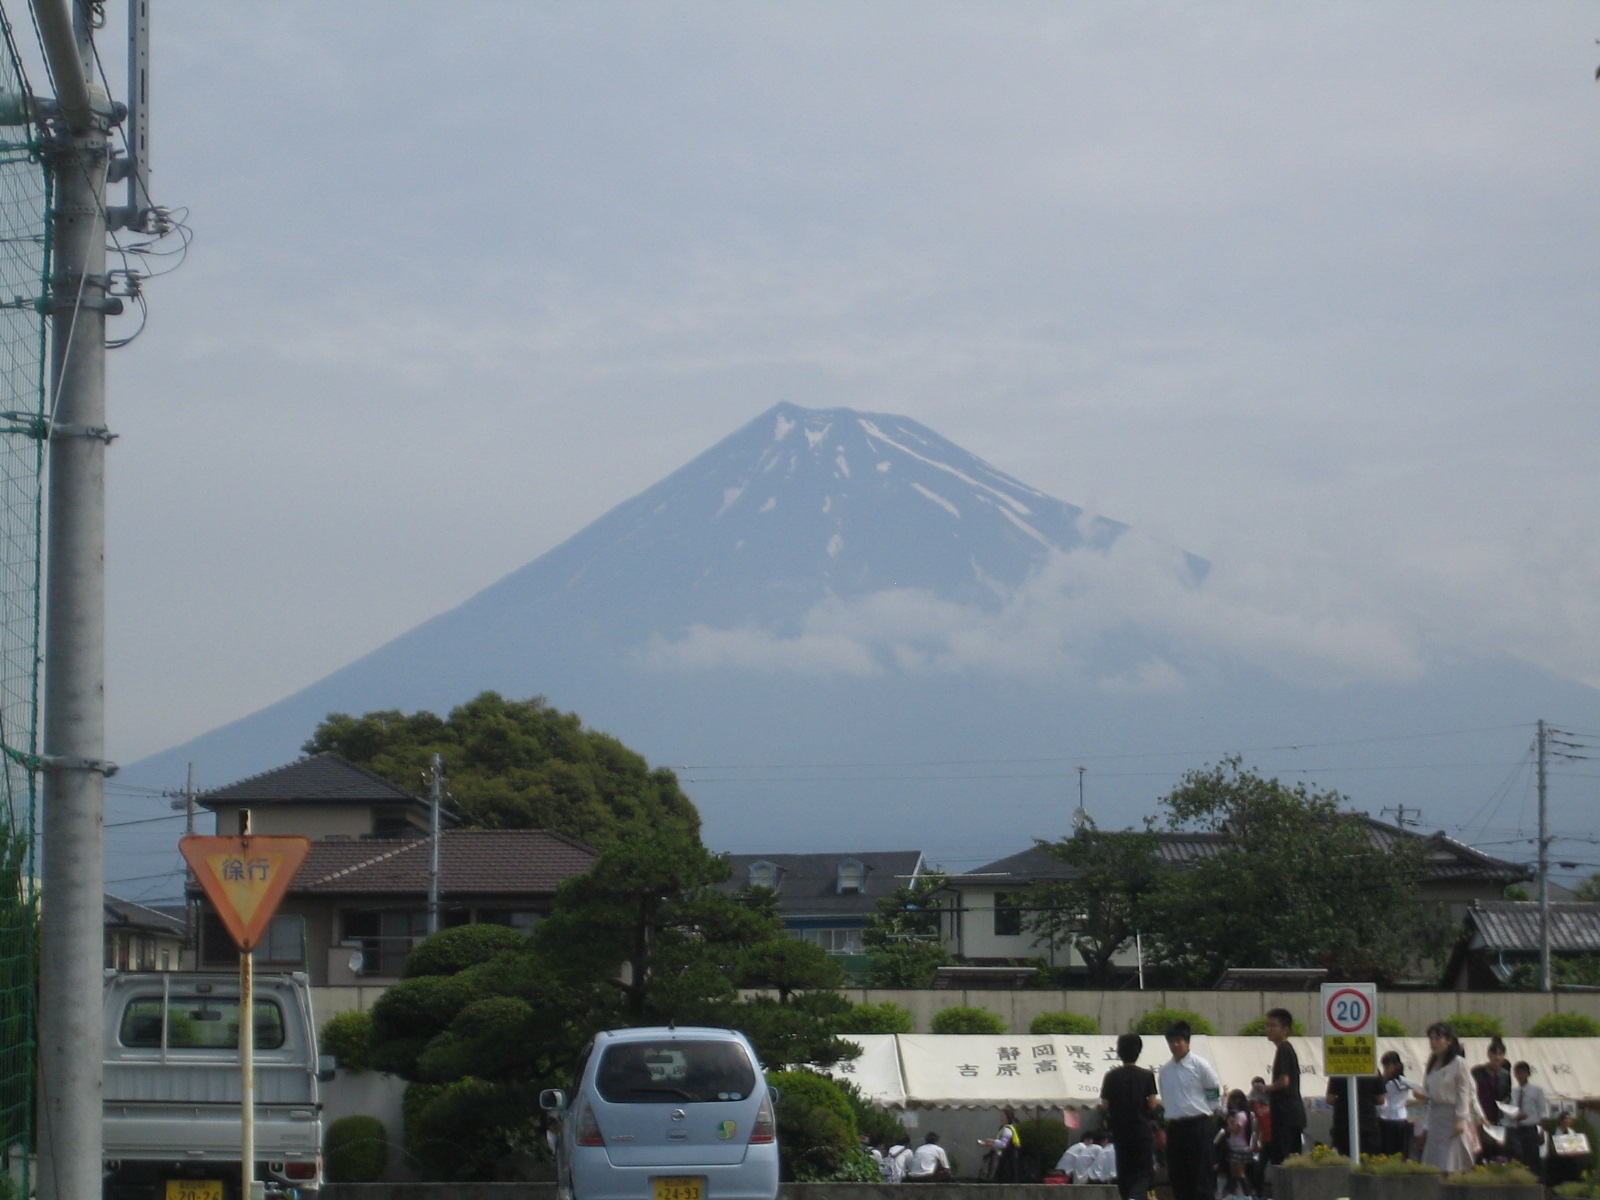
[1448, 1086]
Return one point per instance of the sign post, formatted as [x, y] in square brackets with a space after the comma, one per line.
[245, 879]
[1350, 1043]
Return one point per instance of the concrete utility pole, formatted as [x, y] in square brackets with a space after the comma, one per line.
[73, 915]
[435, 796]
[1544, 866]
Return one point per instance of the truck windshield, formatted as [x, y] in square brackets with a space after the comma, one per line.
[199, 1022]
[675, 1072]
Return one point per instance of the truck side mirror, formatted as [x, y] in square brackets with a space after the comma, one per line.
[553, 1100]
[327, 1064]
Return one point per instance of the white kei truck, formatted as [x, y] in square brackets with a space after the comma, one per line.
[172, 1121]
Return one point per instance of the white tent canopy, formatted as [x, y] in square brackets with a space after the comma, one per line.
[1061, 1071]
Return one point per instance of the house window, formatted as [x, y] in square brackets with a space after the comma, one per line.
[852, 877]
[284, 941]
[523, 922]
[384, 937]
[764, 875]
[1007, 916]
[834, 941]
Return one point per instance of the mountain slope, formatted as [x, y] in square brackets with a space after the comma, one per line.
[826, 587]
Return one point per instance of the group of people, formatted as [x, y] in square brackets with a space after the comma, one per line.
[928, 1163]
[1204, 1157]
[1493, 1110]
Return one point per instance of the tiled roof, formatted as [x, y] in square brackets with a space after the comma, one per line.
[808, 883]
[325, 778]
[1445, 857]
[131, 915]
[1513, 926]
[472, 862]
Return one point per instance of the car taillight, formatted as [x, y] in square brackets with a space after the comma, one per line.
[300, 1170]
[588, 1128]
[765, 1128]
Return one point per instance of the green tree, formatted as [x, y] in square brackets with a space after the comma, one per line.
[887, 1017]
[1588, 890]
[903, 940]
[1108, 898]
[516, 764]
[1297, 881]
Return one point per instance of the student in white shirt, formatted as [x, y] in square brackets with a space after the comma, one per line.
[929, 1162]
[1523, 1116]
[1190, 1093]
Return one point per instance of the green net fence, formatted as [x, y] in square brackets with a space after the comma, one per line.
[24, 252]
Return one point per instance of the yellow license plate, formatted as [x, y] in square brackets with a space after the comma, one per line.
[676, 1187]
[194, 1189]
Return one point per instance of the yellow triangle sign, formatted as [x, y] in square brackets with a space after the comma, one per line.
[245, 878]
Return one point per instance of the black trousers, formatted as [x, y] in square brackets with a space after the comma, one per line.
[1394, 1137]
[1523, 1145]
[1135, 1165]
[1188, 1157]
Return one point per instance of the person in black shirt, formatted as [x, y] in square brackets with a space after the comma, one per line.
[1369, 1094]
[1288, 1109]
[1128, 1095]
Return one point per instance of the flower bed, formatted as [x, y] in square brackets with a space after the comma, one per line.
[1390, 1177]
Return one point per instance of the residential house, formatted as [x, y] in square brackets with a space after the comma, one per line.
[360, 902]
[827, 898]
[141, 938]
[1499, 936]
[984, 908]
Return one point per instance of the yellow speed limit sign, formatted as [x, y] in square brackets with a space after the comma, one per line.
[1349, 1028]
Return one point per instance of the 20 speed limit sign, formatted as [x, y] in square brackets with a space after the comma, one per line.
[1349, 1028]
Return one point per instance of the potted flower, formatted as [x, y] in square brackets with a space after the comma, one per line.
[1496, 1180]
[1390, 1177]
[1320, 1174]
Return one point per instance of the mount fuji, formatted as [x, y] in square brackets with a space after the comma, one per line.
[844, 630]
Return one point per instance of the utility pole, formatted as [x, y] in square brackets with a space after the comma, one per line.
[1080, 819]
[74, 766]
[1544, 864]
[435, 790]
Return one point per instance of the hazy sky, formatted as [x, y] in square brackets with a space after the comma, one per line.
[1310, 290]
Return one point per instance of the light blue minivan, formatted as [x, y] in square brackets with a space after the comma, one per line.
[680, 1113]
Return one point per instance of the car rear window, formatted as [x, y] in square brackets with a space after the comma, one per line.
[675, 1072]
[199, 1022]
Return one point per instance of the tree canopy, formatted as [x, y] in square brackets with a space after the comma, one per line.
[516, 764]
[484, 1019]
[1298, 881]
[1116, 878]
[1291, 879]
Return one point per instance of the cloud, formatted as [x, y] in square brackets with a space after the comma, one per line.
[1131, 620]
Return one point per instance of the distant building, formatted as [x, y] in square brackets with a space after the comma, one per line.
[984, 908]
[1499, 936]
[827, 899]
[359, 904]
[141, 938]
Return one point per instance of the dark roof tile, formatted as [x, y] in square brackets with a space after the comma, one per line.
[325, 778]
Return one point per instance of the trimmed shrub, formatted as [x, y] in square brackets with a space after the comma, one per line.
[966, 1018]
[1258, 1027]
[356, 1150]
[1567, 1024]
[1476, 1024]
[1064, 1022]
[1391, 1026]
[451, 951]
[817, 1134]
[1043, 1142]
[348, 1037]
[1157, 1019]
[878, 1124]
[887, 1017]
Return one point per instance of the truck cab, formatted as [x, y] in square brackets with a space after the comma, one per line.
[172, 1120]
